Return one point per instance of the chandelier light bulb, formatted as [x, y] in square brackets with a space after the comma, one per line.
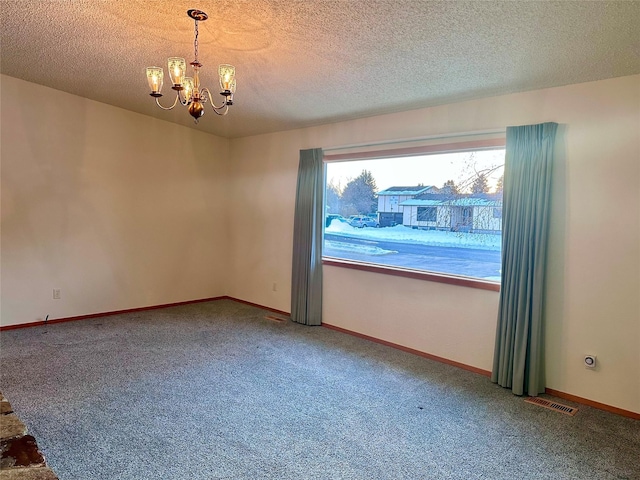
[155, 76]
[188, 89]
[227, 75]
[177, 69]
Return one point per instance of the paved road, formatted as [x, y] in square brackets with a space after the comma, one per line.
[459, 261]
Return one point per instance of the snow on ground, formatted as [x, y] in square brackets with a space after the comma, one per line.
[403, 234]
[361, 249]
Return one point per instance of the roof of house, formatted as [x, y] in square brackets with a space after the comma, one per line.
[459, 200]
[417, 190]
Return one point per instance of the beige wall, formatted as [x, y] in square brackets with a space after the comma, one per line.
[593, 301]
[120, 211]
[116, 209]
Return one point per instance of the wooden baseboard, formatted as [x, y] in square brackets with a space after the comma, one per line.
[281, 312]
[419, 353]
[105, 314]
[591, 403]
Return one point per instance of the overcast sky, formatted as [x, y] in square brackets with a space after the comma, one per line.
[427, 169]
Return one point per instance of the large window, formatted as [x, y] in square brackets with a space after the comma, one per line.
[436, 212]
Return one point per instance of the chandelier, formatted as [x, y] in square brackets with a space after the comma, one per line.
[188, 91]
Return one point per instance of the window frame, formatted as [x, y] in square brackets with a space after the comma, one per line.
[427, 214]
[430, 147]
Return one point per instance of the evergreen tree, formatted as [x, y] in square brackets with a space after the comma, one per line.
[450, 188]
[360, 194]
[333, 198]
[499, 185]
[480, 184]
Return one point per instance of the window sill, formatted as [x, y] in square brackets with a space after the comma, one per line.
[415, 274]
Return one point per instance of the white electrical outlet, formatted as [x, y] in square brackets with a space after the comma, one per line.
[590, 361]
[56, 294]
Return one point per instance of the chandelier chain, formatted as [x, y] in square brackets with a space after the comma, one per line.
[195, 42]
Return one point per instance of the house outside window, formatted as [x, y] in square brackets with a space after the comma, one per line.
[390, 202]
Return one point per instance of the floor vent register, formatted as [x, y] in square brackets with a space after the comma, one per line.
[558, 407]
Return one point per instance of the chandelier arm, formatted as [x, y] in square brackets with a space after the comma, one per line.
[224, 112]
[175, 102]
[215, 107]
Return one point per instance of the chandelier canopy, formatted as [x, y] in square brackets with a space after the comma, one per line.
[188, 90]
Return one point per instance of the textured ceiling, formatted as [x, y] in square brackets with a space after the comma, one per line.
[303, 63]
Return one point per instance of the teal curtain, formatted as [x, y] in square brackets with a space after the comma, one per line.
[306, 278]
[518, 361]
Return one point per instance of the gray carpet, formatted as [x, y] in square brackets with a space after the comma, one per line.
[216, 391]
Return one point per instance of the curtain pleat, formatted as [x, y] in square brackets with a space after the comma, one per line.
[306, 278]
[518, 361]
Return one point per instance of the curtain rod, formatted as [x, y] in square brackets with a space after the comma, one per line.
[416, 139]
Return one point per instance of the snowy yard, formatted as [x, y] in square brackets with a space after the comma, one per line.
[474, 255]
[403, 234]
